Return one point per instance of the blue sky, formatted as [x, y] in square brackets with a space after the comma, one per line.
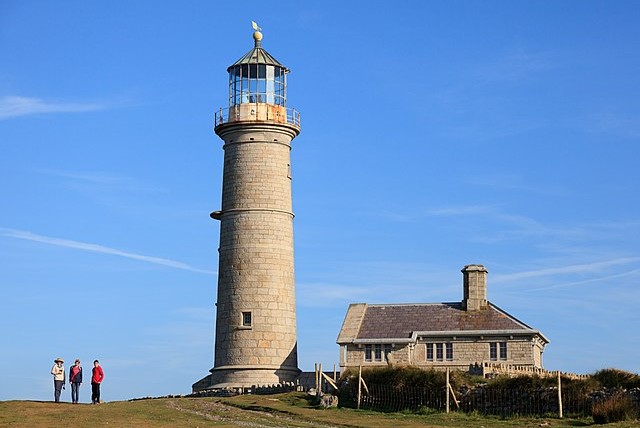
[434, 135]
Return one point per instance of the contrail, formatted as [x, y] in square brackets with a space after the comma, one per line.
[95, 248]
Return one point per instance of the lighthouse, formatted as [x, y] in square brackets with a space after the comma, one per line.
[255, 342]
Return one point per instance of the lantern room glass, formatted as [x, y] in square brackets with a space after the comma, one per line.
[257, 83]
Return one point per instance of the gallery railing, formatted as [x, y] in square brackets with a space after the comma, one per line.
[257, 112]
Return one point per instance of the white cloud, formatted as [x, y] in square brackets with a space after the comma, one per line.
[332, 294]
[566, 270]
[95, 180]
[95, 248]
[15, 106]
[622, 125]
[460, 210]
[451, 211]
[630, 273]
[89, 177]
[514, 66]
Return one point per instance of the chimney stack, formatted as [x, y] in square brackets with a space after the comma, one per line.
[475, 287]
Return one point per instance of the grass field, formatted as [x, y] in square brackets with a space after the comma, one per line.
[255, 411]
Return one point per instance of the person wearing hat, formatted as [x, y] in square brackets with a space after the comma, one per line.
[58, 378]
[75, 379]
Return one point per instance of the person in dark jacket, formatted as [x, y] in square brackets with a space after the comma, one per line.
[75, 379]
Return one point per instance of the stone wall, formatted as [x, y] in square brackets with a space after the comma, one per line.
[520, 351]
[489, 369]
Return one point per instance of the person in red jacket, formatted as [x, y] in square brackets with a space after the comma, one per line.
[96, 379]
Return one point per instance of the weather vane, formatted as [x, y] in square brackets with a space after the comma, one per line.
[257, 35]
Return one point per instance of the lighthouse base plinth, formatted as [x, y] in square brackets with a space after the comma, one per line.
[246, 377]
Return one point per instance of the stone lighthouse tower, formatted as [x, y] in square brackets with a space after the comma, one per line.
[256, 311]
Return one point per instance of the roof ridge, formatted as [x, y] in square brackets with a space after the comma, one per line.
[413, 304]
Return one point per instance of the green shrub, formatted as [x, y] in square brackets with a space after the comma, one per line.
[614, 409]
[426, 411]
[614, 378]
[585, 385]
[522, 382]
[399, 377]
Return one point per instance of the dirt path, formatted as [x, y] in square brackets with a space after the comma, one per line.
[223, 413]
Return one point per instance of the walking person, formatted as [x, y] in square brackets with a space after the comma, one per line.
[75, 379]
[58, 378]
[96, 379]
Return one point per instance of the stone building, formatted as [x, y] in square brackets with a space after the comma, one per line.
[255, 341]
[457, 335]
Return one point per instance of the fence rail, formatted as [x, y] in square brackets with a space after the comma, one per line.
[488, 369]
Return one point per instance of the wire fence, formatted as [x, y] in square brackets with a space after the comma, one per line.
[484, 400]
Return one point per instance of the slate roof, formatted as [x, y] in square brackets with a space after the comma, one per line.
[401, 321]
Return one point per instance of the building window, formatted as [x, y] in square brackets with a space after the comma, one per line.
[378, 352]
[449, 349]
[429, 351]
[367, 353]
[493, 351]
[439, 353]
[503, 351]
[246, 319]
[387, 351]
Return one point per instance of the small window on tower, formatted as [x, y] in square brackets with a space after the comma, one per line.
[246, 319]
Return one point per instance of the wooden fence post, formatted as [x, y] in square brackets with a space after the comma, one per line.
[315, 372]
[559, 395]
[331, 382]
[359, 385]
[447, 389]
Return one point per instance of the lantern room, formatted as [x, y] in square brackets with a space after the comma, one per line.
[257, 77]
[257, 90]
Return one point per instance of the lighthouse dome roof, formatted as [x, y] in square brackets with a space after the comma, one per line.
[258, 55]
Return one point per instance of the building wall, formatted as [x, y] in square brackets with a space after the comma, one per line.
[352, 322]
[466, 351]
[400, 354]
[538, 349]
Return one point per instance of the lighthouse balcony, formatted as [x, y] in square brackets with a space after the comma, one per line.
[257, 112]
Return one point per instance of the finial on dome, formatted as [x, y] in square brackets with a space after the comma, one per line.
[257, 35]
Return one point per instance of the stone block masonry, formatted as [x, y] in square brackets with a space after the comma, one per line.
[256, 269]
